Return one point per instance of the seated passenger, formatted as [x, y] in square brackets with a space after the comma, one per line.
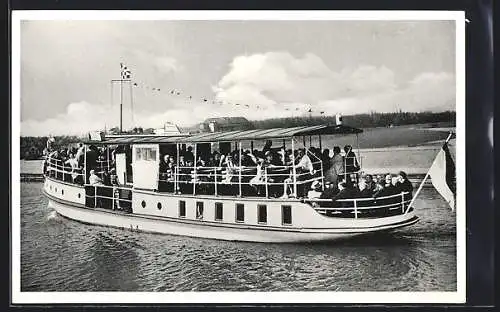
[211, 162]
[315, 191]
[388, 189]
[305, 163]
[164, 167]
[247, 159]
[379, 183]
[270, 160]
[94, 179]
[217, 159]
[346, 191]
[330, 191]
[369, 187]
[185, 171]
[200, 162]
[106, 178]
[182, 161]
[403, 184]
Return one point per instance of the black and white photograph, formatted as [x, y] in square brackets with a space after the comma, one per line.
[238, 157]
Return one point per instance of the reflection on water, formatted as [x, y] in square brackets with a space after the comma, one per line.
[63, 255]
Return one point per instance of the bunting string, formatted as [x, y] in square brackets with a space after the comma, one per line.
[178, 93]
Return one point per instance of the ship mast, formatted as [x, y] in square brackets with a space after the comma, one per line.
[125, 76]
[121, 105]
[120, 81]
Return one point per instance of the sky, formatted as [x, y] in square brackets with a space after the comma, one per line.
[269, 68]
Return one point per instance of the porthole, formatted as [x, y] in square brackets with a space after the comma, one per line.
[50, 187]
[79, 195]
[143, 204]
[55, 189]
[62, 192]
[159, 206]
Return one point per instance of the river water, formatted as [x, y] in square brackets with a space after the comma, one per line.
[58, 254]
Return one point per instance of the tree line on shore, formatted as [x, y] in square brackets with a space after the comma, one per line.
[371, 120]
[32, 147]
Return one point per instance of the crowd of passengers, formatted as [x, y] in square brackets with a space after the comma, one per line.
[265, 172]
[67, 164]
[270, 172]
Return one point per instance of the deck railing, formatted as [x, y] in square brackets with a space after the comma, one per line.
[215, 177]
[108, 197]
[58, 169]
[363, 207]
[242, 181]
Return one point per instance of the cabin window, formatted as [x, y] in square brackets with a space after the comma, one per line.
[286, 215]
[145, 153]
[62, 192]
[218, 211]
[262, 213]
[151, 154]
[143, 204]
[79, 195]
[158, 206]
[182, 208]
[240, 213]
[199, 210]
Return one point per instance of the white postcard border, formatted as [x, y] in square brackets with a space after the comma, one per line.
[459, 296]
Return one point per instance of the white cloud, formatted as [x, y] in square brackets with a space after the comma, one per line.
[167, 63]
[274, 79]
[163, 64]
[79, 118]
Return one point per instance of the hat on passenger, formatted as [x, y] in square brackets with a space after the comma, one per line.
[315, 185]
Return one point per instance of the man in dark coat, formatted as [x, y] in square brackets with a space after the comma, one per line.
[351, 161]
[346, 191]
[403, 184]
[330, 191]
[388, 189]
[369, 189]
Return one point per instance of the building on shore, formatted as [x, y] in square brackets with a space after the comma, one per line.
[225, 124]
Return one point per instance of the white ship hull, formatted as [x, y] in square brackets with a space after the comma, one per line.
[307, 225]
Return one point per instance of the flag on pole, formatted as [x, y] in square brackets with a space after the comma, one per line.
[125, 72]
[443, 177]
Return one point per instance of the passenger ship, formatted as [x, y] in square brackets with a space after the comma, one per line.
[201, 202]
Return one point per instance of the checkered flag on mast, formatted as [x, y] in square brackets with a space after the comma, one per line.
[125, 72]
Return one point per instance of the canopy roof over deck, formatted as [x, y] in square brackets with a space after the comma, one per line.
[273, 133]
[231, 136]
